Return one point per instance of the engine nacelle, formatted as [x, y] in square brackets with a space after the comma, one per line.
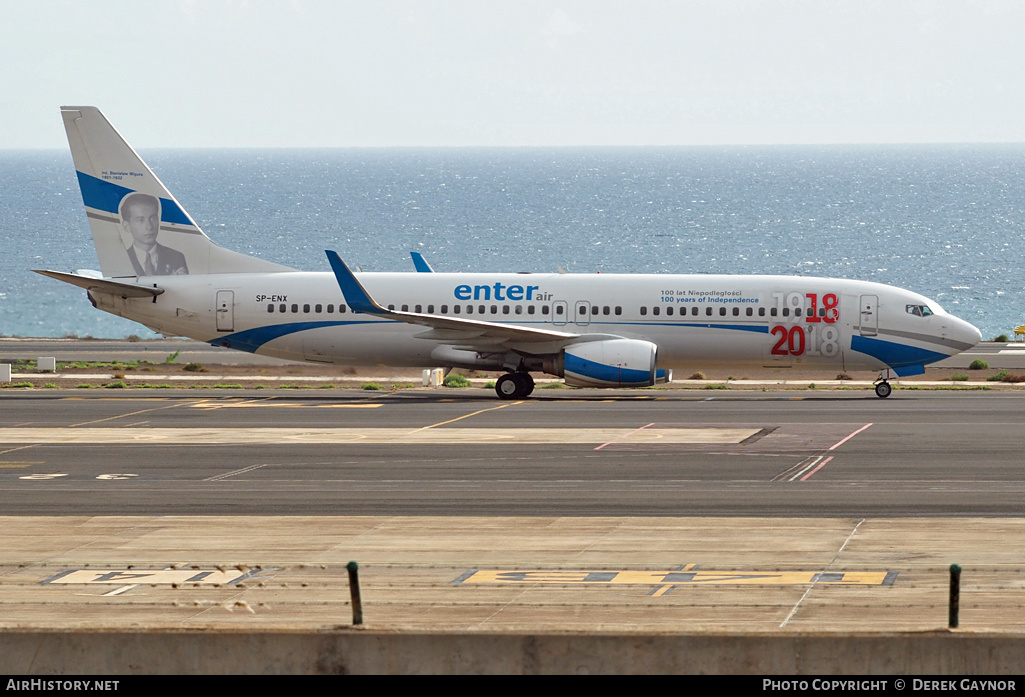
[610, 363]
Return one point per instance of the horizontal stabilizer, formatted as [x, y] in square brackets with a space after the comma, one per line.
[104, 285]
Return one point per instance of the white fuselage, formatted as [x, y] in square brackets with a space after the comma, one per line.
[695, 320]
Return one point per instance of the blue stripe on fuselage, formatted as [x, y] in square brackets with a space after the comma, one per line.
[757, 328]
[893, 354]
[252, 339]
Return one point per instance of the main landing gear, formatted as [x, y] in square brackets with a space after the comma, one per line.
[514, 385]
[883, 389]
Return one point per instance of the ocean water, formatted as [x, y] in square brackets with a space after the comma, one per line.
[947, 221]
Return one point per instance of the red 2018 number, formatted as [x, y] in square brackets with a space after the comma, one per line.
[791, 342]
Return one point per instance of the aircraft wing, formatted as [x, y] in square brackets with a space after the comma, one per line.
[104, 285]
[451, 330]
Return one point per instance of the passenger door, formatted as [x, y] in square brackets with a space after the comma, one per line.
[225, 311]
[869, 318]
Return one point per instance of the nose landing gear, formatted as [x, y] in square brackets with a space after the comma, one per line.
[514, 385]
[883, 389]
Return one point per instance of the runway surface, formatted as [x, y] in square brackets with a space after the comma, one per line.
[589, 510]
[457, 453]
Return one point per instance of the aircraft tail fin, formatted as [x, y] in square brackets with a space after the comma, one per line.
[420, 263]
[138, 227]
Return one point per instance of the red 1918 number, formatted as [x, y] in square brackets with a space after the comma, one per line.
[816, 336]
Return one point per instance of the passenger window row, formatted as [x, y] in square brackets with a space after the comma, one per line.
[545, 310]
[695, 311]
[306, 308]
[504, 309]
[453, 309]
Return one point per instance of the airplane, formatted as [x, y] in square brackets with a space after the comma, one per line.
[158, 268]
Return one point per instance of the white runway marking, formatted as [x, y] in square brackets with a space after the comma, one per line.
[372, 436]
[156, 576]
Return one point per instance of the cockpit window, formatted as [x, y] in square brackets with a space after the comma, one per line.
[920, 310]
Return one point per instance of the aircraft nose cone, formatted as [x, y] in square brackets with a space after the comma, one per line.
[967, 332]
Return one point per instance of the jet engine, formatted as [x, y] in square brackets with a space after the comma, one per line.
[609, 363]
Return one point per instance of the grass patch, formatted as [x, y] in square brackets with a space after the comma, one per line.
[959, 377]
[227, 387]
[454, 380]
[552, 386]
[370, 386]
[195, 368]
[978, 364]
[489, 385]
[98, 365]
[716, 386]
[998, 376]
[117, 385]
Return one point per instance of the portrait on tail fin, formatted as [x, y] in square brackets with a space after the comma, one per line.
[140, 218]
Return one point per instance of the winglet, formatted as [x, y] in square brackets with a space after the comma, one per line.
[420, 263]
[355, 294]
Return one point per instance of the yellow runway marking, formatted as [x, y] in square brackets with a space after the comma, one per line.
[373, 436]
[681, 578]
[23, 447]
[466, 416]
[121, 416]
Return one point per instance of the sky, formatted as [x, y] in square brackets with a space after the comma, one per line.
[371, 73]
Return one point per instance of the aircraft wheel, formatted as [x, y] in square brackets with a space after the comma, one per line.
[508, 387]
[526, 384]
[883, 390]
[514, 385]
